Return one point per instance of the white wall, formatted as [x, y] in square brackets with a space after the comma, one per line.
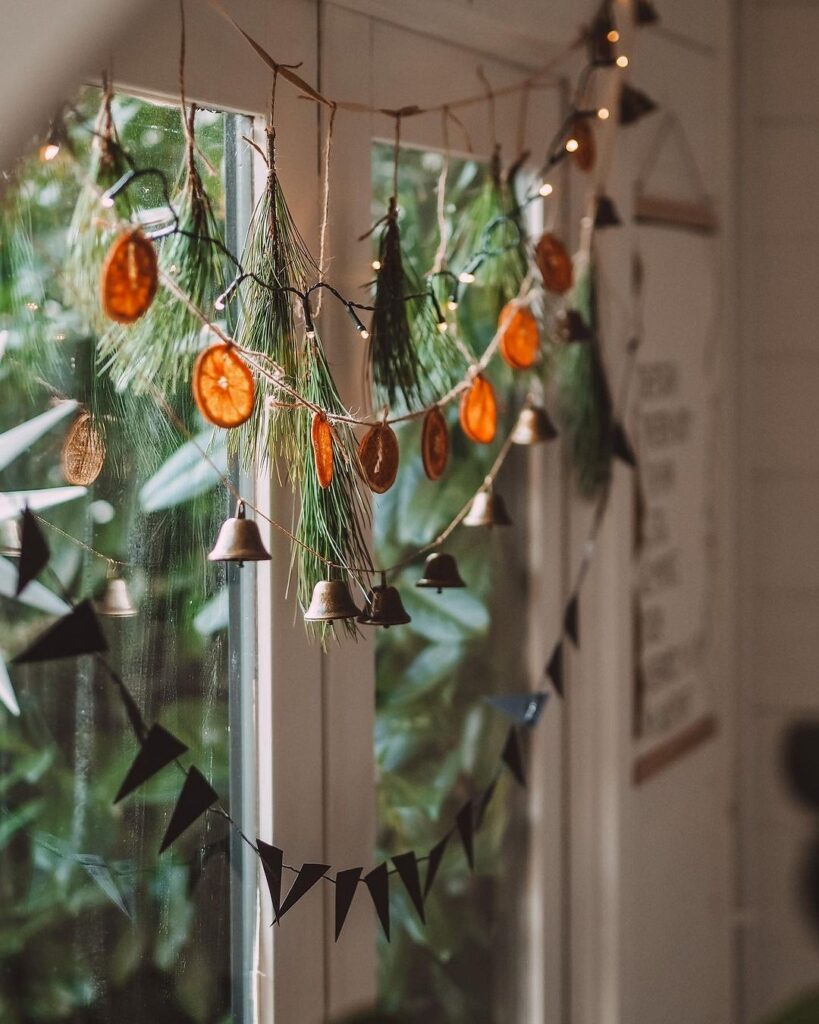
[779, 241]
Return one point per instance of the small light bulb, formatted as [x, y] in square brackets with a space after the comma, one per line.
[465, 277]
[364, 334]
[219, 303]
[49, 151]
[376, 264]
[613, 36]
[546, 189]
[452, 305]
[622, 61]
[442, 326]
[572, 145]
[32, 307]
[107, 202]
[603, 113]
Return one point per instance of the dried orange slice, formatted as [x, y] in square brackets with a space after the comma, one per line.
[479, 412]
[129, 277]
[434, 444]
[222, 385]
[83, 452]
[519, 337]
[554, 264]
[378, 455]
[321, 435]
[586, 152]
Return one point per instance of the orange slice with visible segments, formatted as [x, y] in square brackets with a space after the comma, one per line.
[222, 386]
[129, 277]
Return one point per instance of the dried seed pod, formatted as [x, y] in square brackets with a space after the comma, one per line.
[434, 443]
[519, 336]
[586, 152]
[378, 455]
[479, 412]
[222, 386]
[554, 263]
[129, 277]
[321, 435]
[83, 452]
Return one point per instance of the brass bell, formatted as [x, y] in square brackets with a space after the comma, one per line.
[331, 600]
[384, 607]
[441, 572]
[11, 541]
[116, 599]
[533, 426]
[487, 509]
[239, 541]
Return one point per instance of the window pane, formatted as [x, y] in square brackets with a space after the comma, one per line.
[436, 741]
[134, 936]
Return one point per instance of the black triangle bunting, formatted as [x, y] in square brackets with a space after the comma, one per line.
[346, 886]
[158, 749]
[79, 632]
[512, 757]
[196, 797]
[483, 804]
[307, 877]
[554, 670]
[436, 855]
[523, 708]
[571, 620]
[34, 551]
[218, 848]
[406, 864]
[131, 710]
[621, 446]
[272, 859]
[378, 882]
[465, 820]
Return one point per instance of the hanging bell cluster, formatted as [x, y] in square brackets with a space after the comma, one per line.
[384, 607]
[487, 509]
[533, 426]
[239, 540]
[116, 602]
[11, 541]
[441, 573]
[331, 600]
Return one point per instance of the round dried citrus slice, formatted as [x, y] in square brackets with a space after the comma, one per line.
[378, 455]
[321, 435]
[129, 277]
[222, 385]
[519, 337]
[434, 444]
[479, 412]
[83, 452]
[554, 264]
[584, 155]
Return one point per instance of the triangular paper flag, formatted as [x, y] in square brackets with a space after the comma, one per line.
[101, 874]
[483, 804]
[621, 446]
[219, 847]
[512, 757]
[554, 670]
[132, 711]
[78, 632]
[406, 864]
[634, 105]
[158, 749]
[346, 886]
[378, 882]
[465, 820]
[523, 708]
[436, 855]
[196, 797]
[34, 551]
[307, 877]
[571, 620]
[272, 859]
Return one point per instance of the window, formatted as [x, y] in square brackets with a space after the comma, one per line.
[94, 925]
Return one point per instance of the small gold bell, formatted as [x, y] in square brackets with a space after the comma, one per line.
[384, 607]
[10, 539]
[116, 599]
[239, 541]
[487, 509]
[331, 600]
[533, 426]
[440, 572]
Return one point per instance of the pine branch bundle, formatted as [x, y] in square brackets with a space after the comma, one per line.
[269, 322]
[410, 362]
[332, 520]
[586, 407]
[159, 349]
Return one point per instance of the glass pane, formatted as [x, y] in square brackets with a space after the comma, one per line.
[132, 936]
[437, 742]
